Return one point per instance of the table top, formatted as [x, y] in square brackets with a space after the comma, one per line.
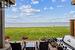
[30, 44]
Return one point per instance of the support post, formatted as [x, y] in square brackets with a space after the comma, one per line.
[2, 15]
[72, 27]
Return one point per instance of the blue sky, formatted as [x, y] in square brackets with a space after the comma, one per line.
[33, 11]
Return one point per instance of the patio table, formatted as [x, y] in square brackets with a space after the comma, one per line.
[30, 45]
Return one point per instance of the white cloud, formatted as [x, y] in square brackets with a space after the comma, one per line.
[45, 8]
[59, 0]
[25, 7]
[25, 10]
[60, 6]
[53, 0]
[22, 0]
[11, 17]
[63, 0]
[51, 8]
[70, 15]
[14, 9]
[28, 10]
[72, 12]
[35, 1]
[14, 17]
[42, 0]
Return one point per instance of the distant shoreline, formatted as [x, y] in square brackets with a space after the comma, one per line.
[37, 27]
[49, 24]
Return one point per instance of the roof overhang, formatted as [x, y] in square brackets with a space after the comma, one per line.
[73, 2]
[11, 2]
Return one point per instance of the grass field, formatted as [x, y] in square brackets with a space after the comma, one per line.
[35, 33]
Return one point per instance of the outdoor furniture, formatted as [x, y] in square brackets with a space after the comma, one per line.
[23, 45]
[30, 45]
[43, 46]
[37, 44]
[24, 38]
[59, 48]
[15, 46]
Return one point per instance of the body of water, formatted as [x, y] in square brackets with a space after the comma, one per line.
[37, 24]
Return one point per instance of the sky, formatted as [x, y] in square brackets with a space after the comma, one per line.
[36, 11]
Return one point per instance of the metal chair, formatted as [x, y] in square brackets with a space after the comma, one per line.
[15, 46]
[43, 46]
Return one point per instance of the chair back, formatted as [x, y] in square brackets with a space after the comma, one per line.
[15, 46]
[43, 46]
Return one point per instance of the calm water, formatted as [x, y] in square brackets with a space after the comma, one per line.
[37, 24]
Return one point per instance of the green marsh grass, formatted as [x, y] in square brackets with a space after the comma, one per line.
[36, 33]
